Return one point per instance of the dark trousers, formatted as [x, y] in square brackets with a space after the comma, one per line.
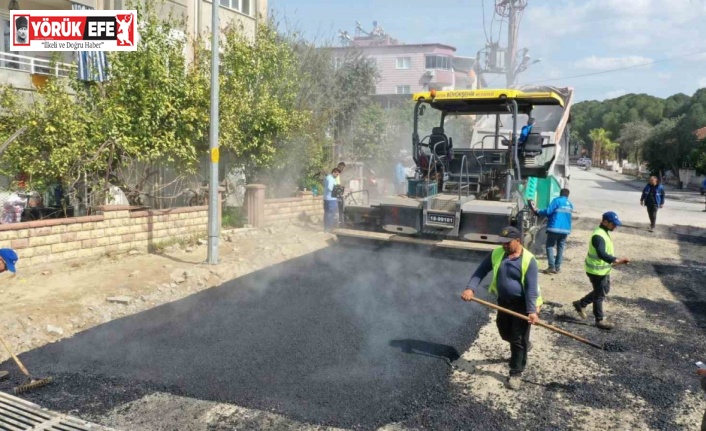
[557, 240]
[601, 288]
[516, 332]
[652, 213]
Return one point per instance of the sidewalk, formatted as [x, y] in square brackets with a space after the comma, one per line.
[670, 191]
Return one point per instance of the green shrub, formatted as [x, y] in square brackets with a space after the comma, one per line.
[233, 217]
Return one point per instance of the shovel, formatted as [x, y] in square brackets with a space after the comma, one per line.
[539, 323]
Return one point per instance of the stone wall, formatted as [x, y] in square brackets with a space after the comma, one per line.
[267, 212]
[115, 229]
[287, 210]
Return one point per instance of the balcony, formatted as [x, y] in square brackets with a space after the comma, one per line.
[28, 73]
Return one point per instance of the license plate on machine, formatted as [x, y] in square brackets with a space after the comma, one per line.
[441, 219]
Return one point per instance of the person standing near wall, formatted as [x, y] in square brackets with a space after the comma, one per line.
[341, 166]
[330, 202]
[400, 178]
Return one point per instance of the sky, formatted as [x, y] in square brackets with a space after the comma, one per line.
[662, 42]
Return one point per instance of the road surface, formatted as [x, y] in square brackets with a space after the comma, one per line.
[342, 337]
[593, 195]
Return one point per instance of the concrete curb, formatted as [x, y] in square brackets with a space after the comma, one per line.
[636, 187]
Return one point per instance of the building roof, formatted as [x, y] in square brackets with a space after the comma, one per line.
[406, 45]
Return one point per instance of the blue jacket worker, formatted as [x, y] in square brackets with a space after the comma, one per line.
[559, 214]
[652, 198]
[330, 202]
[8, 259]
[526, 130]
[515, 275]
[598, 265]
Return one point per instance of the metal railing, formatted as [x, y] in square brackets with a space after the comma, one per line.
[35, 65]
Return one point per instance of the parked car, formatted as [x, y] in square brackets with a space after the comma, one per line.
[583, 161]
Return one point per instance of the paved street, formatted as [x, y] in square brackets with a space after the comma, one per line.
[593, 194]
[359, 338]
[343, 337]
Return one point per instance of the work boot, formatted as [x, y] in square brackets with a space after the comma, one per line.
[513, 383]
[602, 324]
[550, 270]
[580, 310]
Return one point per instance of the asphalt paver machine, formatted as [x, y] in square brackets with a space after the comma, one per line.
[464, 192]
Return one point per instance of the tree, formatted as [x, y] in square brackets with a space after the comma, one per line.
[368, 139]
[632, 138]
[603, 147]
[56, 132]
[699, 157]
[149, 112]
[259, 85]
[662, 147]
[670, 144]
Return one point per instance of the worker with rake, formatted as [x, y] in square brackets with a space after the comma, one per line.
[515, 274]
[8, 259]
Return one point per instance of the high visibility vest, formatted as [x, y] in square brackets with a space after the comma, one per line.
[497, 257]
[594, 264]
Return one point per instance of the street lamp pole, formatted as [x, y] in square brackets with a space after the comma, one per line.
[213, 228]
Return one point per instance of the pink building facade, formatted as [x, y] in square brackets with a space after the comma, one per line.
[406, 69]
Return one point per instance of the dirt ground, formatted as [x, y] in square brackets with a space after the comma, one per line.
[659, 335]
[657, 303]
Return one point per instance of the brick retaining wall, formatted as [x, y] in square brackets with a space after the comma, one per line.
[116, 228]
[288, 210]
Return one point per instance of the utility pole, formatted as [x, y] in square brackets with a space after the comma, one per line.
[509, 61]
[213, 219]
[511, 40]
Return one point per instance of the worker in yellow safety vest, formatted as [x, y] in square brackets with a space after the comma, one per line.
[515, 274]
[598, 265]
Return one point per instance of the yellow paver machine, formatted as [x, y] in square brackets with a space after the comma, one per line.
[464, 192]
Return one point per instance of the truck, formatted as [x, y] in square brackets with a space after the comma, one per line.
[464, 192]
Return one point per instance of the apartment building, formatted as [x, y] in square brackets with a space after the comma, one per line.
[26, 70]
[409, 68]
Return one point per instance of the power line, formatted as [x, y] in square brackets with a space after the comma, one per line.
[635, 66]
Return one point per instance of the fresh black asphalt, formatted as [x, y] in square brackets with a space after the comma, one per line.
[345, 337]
[359, 338]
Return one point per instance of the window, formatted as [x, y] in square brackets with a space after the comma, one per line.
[113, 4]
[337, 63]
[239, 5]
[403, 89]
[438, 62]
[404, 62]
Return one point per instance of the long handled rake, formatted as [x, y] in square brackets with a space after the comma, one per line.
[539, 323]
[30, 383]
